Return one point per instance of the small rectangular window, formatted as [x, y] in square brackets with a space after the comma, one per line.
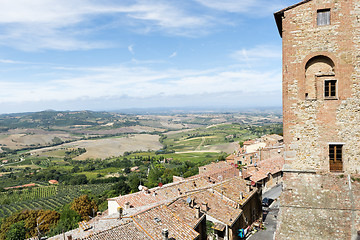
[335, 157]
[330, 89]
[323, 17]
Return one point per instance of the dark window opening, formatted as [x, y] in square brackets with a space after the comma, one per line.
[330, 89]
[335, 157]
[323, 17]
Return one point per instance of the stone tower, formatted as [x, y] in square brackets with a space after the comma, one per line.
[321, 85]
[321, 112]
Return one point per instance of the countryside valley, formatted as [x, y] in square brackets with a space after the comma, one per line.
[65, 165]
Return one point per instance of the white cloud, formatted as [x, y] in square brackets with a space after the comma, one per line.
[65, 24]
[131, 49]
[138, 82]
[254, 7]
[258, 53]
[8, 61]
[174, 54]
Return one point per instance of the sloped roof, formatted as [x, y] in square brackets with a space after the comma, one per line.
[162, 194]
[232, 188]
[263, 168]
[154, 220]
[218, 206]
[187, 214]
[125, 231]
[278, 15]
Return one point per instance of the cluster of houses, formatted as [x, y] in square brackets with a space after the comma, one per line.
[222, 197]
[261, 160]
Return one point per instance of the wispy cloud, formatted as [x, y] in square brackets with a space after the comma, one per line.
[261, 53]
[131, 49]
[174, 54]
[138, 82]
[66, 24]
[8, 61]
[254, 7]
[71, 24]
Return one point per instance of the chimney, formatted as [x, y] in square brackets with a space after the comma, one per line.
[205, 206]
[250, 188]
[241, 195]
[120, 210]
[197, 212]
[165, 233]
[192, 203]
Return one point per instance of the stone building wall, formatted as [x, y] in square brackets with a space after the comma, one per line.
[317, 203]
[311, 121]
[323, 206]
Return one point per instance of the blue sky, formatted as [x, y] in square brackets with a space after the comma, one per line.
[108, 55]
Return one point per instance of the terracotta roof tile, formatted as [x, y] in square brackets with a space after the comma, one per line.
[232, 188]
[217, 206]
[154, 220]
[182, 209]
[162, 194]
[263, 168]
[125, 231]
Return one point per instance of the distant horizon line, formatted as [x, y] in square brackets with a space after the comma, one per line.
[147, 110]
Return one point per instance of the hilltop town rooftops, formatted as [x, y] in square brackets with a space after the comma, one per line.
[160, 194]
[154, 220]
[147, 198]
[216, 206]
[185, 211]
[222, 165]
[124, 231]
[233, 188]
[218, 172]
[260, 170]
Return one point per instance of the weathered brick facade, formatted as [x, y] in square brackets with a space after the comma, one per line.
[321, 108]
[311, 55]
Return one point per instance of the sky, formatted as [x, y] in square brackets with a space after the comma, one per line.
[110, 55]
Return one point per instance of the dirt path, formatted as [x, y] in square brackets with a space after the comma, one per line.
[200, 151]
[202, 142]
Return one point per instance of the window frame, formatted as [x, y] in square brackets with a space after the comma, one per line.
[329, 92]
[336, 157]
[323, 17]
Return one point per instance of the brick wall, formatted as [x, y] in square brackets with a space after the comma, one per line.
[311, 121]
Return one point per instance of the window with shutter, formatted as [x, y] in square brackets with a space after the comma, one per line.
[323, 17]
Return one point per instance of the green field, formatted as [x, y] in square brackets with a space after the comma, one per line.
[46, 197]
[215, 138]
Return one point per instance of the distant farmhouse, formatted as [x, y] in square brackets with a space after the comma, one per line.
[321, 114]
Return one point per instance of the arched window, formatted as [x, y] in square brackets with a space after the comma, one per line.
[320, 79]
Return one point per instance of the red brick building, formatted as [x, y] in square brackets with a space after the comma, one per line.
[321, 114]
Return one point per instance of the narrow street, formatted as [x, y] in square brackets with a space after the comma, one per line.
[270, 215]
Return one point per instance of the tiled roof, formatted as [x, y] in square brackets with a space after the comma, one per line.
[162, 194]
[231, 157]
[263, 168]
[248, 142]
[220, 173]
[181, 208]
[218, 207]
[272, 165]
[154, 220]
[127, 231]
[258, 175]
[232, 188]
[214, 166]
